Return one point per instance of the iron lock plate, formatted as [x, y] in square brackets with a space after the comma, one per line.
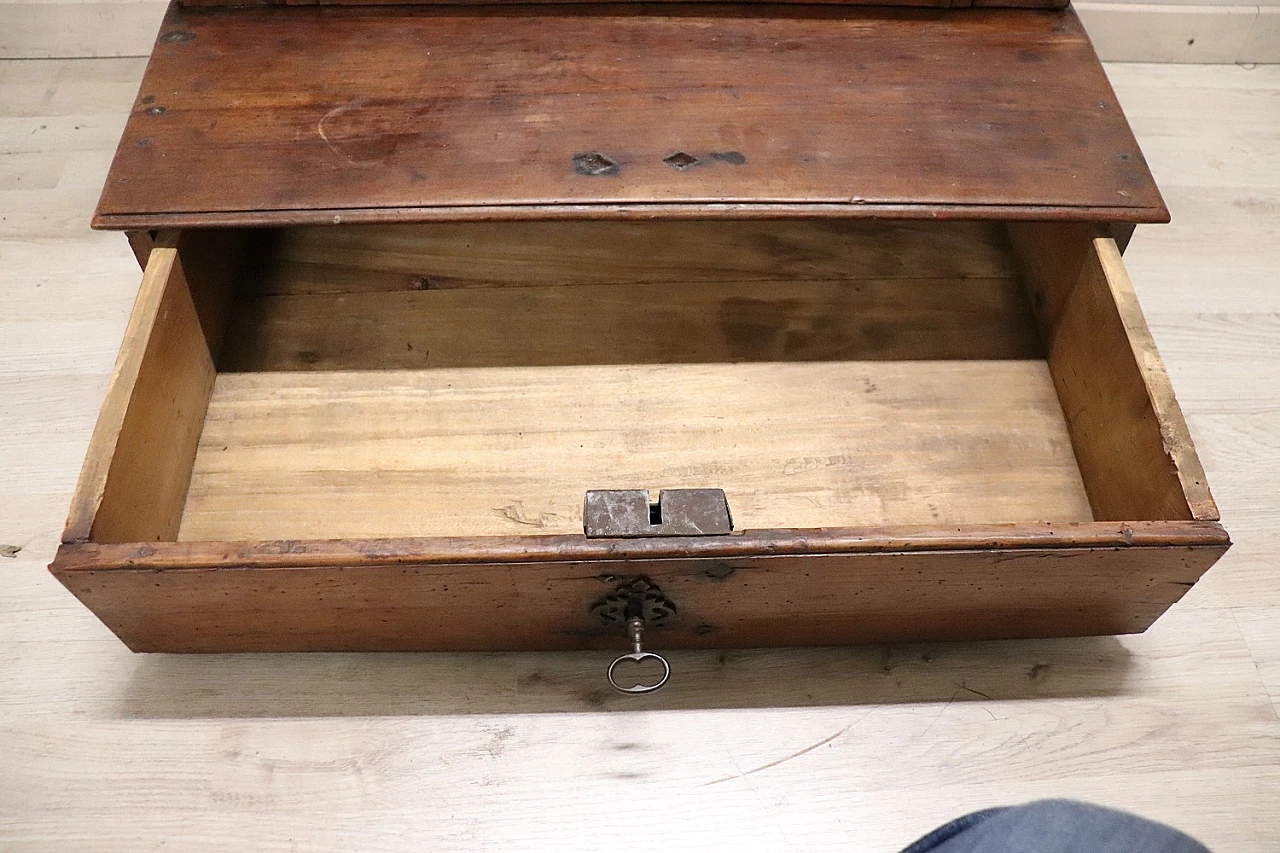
[627, 513]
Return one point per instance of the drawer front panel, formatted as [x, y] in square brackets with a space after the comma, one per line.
[726, 602]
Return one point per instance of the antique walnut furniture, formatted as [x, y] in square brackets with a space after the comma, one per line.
[845, 280]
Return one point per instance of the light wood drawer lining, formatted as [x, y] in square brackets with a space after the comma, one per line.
[977, 430]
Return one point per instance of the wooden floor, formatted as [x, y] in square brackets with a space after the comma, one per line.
[855, 749]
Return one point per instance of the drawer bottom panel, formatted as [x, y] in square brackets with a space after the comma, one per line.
[510, 451]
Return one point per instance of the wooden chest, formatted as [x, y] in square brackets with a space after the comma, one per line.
[417, 279]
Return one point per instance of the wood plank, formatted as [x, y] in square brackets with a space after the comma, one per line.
[161, 294]
[1174, 435]
[138, 466]
[685, 322]
[488, 451]
[563, 212]
[53, 29]
[810, 110]
[1135, 454]
[530, 547]
[388, 297]
[1261, 632]
[1224, 33]
[141, 243]
[1096, 720]
[438, 256]
[779, 601]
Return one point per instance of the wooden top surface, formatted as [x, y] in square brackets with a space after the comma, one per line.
[274, 116]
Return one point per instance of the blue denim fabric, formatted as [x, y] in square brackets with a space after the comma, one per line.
[1055, 826]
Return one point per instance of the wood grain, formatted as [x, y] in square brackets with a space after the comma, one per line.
[571, 212]
[487, 451]
[332, 553]
[679, 323]
[1174, 436]
[566, 293]
[773, 601]
[818, 110]
[1135, 454]
[141, 242]
[430, 443]
[445, 256]
[138, 467]
[161, 380]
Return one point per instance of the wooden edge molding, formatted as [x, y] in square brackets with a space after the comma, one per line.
[86, 556]
[704, 210]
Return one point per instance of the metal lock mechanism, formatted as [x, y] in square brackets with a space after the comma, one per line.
[627, 513]
[637, 604]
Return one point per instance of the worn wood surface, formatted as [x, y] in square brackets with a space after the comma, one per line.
[281, 553]
[293, 449]
[818, 600]
[508, 294]
[303, 452]
[142, 242]
[135, 476]
[786, 110]
[488, 451]
[1134, 450]
[446, 256]
[681, 322]
[1108, 270]
[136, 473]
[769, 750]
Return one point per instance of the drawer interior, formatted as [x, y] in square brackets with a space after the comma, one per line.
[475, 379]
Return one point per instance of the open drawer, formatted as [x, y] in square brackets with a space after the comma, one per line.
[380, 436]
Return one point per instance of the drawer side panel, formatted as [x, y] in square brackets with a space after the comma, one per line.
[1133, 446]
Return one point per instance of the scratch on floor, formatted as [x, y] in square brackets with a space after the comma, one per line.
[764, 804]
[940, 713]
[741, 773]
